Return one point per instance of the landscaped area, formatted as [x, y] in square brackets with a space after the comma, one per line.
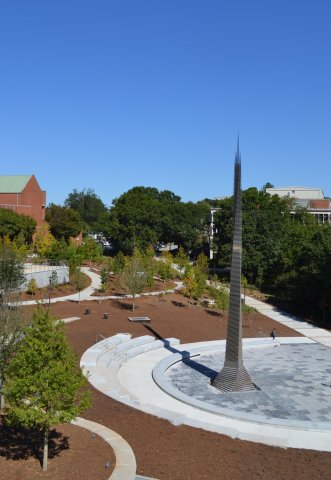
[162, 450]
[183, 301]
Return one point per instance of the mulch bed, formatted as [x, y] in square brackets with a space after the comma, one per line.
[118, 289]
[162, 450]
[43, 294]
[73, 454]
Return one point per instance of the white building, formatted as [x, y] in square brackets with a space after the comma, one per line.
[310, 198]
[303, 193]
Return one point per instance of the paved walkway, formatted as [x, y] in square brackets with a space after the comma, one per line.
[125, 468]
[88, 293]
[308, 330]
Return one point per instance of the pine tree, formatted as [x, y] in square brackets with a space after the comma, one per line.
[43, 383]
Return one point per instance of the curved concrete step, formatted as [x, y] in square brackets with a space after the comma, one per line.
[132, 351]
[93, 354]
[102, 362]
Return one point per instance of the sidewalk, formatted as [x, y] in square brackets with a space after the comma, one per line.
[304, 328]
[88, 293]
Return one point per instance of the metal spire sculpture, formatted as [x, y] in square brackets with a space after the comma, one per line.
[234, 377]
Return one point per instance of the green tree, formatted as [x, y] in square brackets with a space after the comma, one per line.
[11, 269]
[54, 279]
[31, 286]
[303, 280]
[195, 283]
[63, 221]
[43, 241]
[265, 220]
[78, 279]
[44, 384]
[13, 224]
[181, 260]
[118, 265]
[59, 250]
[202, 263]
[150, 266]
[144, 216]
[165, 268]
[12, 319]
[91, 209]
[134, 276]
[189, 224]
[90, 250]
[104, 276]
[220, 295]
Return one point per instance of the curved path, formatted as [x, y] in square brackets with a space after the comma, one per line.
[88, 293]
[125, 468]
[315, 333]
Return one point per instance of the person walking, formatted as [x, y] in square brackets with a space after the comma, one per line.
[273, 333]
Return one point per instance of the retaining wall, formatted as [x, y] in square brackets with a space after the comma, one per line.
[42, 276]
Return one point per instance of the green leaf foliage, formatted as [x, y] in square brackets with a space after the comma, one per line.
[144, 216]
[13, 225]
[43, 383]
[286, 254]
[134, 275]
[91, 209]
[11, 269]
[63, 221]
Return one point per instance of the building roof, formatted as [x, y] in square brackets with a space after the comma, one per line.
[13, 183]
[293, 188]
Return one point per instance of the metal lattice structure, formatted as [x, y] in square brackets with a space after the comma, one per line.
[234, 377]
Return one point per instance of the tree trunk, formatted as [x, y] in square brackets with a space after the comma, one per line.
[45, 454]
[2, 398]
[133, 303]
[2, 402]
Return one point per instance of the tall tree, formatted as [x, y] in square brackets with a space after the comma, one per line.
[90, 207]
[12, 319]
[264, 224]
[144, 216]
[44, 384]
[63, 221]
[13, 224]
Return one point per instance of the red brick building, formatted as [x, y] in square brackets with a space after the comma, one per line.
[23, 194]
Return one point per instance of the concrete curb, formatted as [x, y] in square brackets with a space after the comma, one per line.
[125, 468]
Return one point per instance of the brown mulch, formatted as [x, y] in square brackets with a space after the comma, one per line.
[162, 450]
[74, 453]
[118, 289]
[57, 291]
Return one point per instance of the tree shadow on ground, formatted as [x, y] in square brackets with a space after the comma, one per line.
[178, 304]
[122, 305]
[20, 444]
[214, 313]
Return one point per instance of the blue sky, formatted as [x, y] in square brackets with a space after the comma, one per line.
[109, 94]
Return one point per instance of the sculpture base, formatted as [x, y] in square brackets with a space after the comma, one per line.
[234, 378]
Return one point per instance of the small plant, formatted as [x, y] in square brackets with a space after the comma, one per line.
[54, 279]
[31, 287]
[104, 279]
[78, 279]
